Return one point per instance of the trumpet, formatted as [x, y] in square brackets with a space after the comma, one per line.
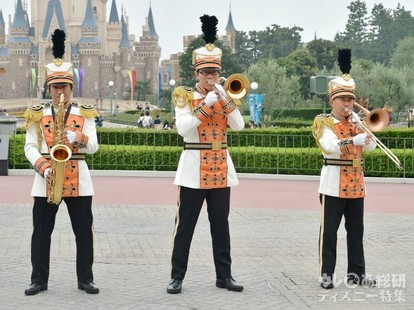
[237, 86]
[376, 120]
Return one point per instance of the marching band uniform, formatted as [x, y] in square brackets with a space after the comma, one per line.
[205, 170]
[78, 190]
[342, 188]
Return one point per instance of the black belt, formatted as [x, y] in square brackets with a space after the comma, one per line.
[357, 162]
[75, 156]
[215, 146]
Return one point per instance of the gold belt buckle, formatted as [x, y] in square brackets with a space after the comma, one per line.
[216, 146]
[356, 163]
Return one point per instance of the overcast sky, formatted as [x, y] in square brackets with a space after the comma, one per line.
[174, 19]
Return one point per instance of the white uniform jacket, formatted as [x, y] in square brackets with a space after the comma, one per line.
[330, 175]
[188, 171]
[34, 153]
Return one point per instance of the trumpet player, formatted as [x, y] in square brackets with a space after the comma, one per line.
[342, 188]
[205, 171]
[70, 127]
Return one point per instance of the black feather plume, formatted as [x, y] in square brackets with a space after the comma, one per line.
[344, 60]
[209, 28]
[58, 40]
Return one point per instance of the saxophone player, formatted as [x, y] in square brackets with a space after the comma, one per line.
[71, 126]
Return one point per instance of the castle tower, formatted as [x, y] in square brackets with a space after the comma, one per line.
[230, 36]
[2, 29]
[89, 47]
[19, 47]
[113, 31]
[125, 48]
[149, 50]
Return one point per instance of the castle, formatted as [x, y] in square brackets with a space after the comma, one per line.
[99, 45]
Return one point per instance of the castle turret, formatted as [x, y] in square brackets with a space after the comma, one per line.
[113, 30]
[149, 50]
[19, 47]
[89, 49]
[2, 29]
[230, 36]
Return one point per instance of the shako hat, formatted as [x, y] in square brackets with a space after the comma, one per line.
[208, 56]
[59, 71]
[343, 86]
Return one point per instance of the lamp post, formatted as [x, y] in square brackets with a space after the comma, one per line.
[172, 84]
[116, 101]
[254, 86]
[111, 95]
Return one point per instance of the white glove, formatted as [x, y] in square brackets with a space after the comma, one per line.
[221, 90]
[359, 139]
[210, 99]
[46, 173]
[71, 136]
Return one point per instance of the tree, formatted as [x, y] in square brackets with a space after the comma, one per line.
[380, 37]
[245, 51]
[280, 91]
[276, 41]
[356, 26]
[325, 53]
[302, 64]
[403, 54]
[384, 86]
[143, 90]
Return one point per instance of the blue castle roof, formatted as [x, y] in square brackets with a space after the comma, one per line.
[113, 17]
[54, 7]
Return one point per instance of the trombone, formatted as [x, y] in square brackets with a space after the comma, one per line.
[376, 120]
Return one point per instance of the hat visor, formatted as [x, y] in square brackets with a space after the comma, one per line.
[344, 94]
[208, 65]
[60, 84]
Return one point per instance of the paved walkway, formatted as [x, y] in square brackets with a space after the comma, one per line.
[274, 228]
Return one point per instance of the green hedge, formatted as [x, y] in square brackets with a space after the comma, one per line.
[268, 160]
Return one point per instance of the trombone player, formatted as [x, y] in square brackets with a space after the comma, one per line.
[205, 170]
[71, 128]
[342, 188]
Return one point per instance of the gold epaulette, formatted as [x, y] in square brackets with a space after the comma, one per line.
[237, 102]
[33, 114]
[183, 96]
[319, 123]
[87, 110]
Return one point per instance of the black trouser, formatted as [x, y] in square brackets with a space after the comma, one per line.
[44, 215]
[189, 207]
[333, 208]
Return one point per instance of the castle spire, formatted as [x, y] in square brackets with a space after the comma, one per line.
[2, 23]
[54, 14]
[230, 25]
[124, 40]
[89, 20]
[19, 20]
[152, 32]
[113, 17]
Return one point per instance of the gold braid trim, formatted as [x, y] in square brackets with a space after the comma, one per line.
[88, 111]
[319, 123]
[237, 102]
[33, 114]
[183, 96]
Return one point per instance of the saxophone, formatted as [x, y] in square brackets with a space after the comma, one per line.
[59, 154]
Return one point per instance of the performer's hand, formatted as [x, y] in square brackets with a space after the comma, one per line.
[46, 174]
[221, 90]
[361, 139]
[71, 136]
[210, 99]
